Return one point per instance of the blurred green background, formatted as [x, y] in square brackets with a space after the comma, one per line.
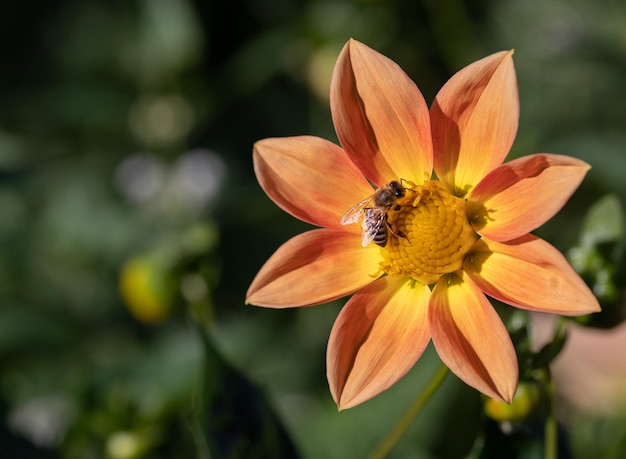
[131, 223]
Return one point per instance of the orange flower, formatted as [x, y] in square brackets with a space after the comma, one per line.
[453, 235]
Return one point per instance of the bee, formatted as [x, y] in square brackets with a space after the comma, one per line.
[372, 212]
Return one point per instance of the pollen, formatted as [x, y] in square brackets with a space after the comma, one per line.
[429, 234]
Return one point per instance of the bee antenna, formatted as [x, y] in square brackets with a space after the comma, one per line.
[411, 184]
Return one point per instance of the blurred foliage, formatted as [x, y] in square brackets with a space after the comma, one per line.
[131, 222]
[600, 258]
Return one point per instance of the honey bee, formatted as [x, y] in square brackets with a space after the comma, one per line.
[372, 212]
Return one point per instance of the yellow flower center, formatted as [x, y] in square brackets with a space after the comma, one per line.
[429, 234]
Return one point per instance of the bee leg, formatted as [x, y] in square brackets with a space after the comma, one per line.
[396, 231]
[400, 234]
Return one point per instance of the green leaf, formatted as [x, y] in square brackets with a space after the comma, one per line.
[551, 350]
[237, 420]
[604, 222]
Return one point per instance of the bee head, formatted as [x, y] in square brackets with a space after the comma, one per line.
[397, 188]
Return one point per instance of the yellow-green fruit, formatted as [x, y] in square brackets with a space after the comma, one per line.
[524, 403]
[146, 288]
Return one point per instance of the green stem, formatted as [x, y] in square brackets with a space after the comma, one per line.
[385, 447]
[198, 401]
[551, 439]
[550, 432]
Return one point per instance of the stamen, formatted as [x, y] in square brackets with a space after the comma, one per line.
[437, 234]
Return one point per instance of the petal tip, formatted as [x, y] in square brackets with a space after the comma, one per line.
[262, 144]
[594, 308]
[343, 404]
[501, 392]
[508, 396]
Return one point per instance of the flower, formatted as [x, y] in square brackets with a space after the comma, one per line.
[461, 229]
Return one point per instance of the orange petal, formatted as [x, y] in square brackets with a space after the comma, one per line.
[314, 267]
[474, 119]
[471, 339]
[531, 274]
[309, 177]
[378, 336]
[523, 194]
[380, 116]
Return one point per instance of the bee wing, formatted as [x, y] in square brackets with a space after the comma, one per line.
[372, 220]
[355, 212]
